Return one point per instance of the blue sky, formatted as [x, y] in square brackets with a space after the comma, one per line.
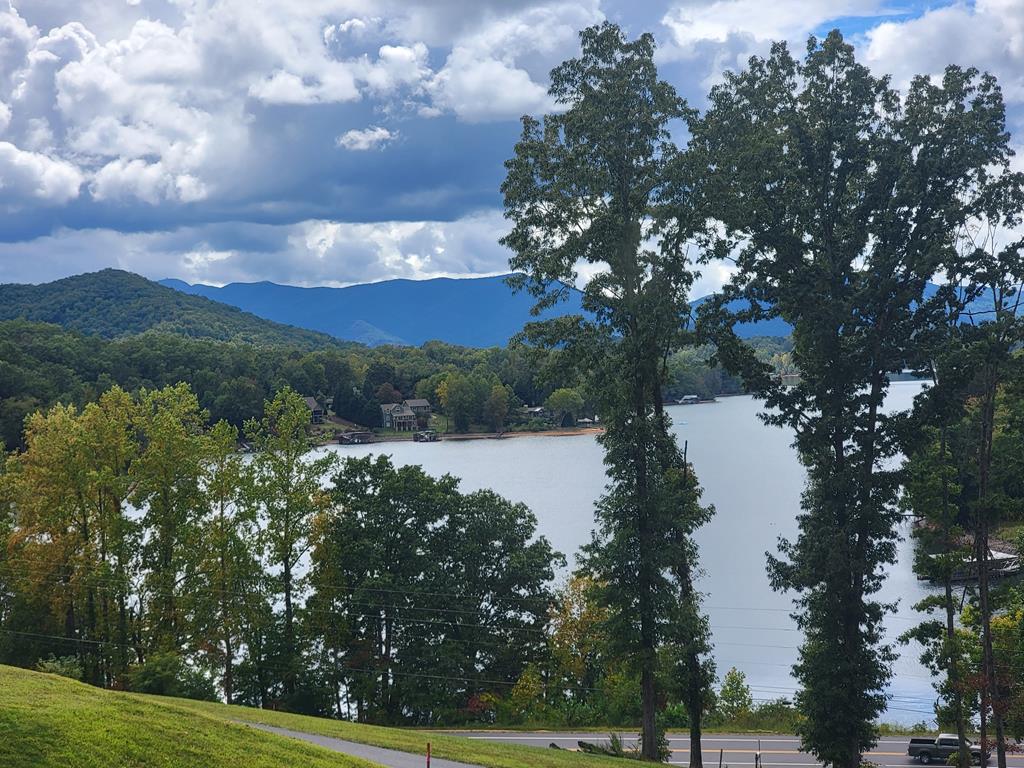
[327, 142]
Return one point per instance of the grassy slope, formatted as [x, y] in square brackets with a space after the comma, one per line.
[483, 753]
[52, 722]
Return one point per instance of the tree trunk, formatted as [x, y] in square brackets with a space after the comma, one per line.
[952, 644]
[695, 710]
[991, 679]
[648, 639]
[289, 632]
[953, 672]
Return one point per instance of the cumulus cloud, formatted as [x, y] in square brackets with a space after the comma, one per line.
[30, 176]
[312, 252]
[691, 23]
[215, 126]
[500, 71]
[988, 34]
[363, 139]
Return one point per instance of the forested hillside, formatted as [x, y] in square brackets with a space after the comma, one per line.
[41, 364]
[113, 303]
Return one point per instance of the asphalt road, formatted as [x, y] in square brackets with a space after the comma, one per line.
[737, 749]
[386, 757]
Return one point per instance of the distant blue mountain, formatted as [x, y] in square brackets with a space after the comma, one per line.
[776, 326]
[473, 312]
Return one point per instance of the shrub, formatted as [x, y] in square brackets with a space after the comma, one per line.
[65, 666]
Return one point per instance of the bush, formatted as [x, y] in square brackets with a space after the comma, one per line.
[166, 674]
[65, 666]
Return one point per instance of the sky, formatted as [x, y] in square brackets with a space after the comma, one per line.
[331, 142]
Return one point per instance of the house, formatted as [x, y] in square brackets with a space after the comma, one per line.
[419, 406]
[316, 411]
[398, 416]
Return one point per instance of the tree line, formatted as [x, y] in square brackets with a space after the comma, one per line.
[835, 201]
[42, 364]
[141, 551]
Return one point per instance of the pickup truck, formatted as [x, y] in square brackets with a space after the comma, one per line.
[927, 750]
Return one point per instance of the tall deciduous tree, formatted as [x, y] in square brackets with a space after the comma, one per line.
[285, 487]
[168, 487]
[584, 186]
[840, 204]
[226, 580]
[991, 272]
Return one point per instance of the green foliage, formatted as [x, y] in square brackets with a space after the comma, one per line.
[734, 699]
[112, 303]
[166, 674]
[584, 185]
[434, 582]
[495, 409]
[819, 173]
[566, 404]
[284, 485]
[65, 666]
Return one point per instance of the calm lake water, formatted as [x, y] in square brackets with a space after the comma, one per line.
[751, 475]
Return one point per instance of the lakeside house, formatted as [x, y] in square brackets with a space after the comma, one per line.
[316, 411]
[399, 417]
[420, 407]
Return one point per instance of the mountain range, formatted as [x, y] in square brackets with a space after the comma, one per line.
[471, 312]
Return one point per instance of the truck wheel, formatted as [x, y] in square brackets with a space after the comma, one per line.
[925, 758]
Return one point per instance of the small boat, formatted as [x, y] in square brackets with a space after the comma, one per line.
[426, 436]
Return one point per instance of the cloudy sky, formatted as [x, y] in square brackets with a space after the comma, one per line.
[327, 142]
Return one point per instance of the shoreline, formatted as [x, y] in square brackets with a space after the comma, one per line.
[462, 437]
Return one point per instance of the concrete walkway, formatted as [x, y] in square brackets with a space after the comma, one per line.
[387, 757]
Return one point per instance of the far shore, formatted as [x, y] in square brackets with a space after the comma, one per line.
[456, 436]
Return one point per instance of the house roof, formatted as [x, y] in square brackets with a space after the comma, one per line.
[312, 404]
[397, 409]
[418, 402]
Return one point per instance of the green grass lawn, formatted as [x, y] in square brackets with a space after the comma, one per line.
[52, 722]
[484, 753]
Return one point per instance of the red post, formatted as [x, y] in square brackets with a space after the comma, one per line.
[428, 754]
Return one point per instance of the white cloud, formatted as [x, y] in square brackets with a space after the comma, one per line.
[487, 89]
[988, 34]
[373, 137]
[314, 252]
[500, 71]
[695, 22]
[36, 176]
[152, 183]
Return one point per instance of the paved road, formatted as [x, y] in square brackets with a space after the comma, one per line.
[737, 749]
[387, 757]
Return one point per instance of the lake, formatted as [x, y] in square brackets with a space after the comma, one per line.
[750, 473]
